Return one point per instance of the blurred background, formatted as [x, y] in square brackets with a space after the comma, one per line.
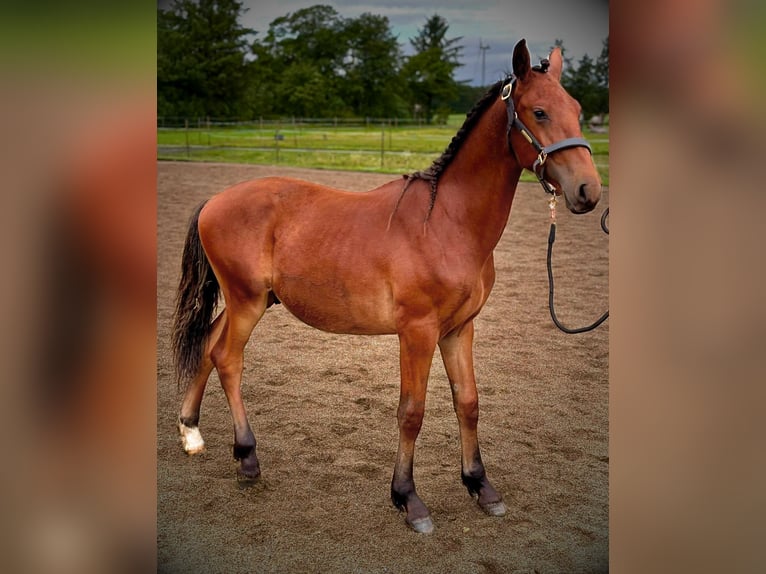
[77, 403]
[687, 287]
[77, 94]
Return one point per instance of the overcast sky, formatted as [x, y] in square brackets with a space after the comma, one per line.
[581, 24]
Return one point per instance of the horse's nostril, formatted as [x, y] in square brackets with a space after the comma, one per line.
[582, 192]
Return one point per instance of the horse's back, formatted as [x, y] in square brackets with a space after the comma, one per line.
[322, 251]
[294, 198]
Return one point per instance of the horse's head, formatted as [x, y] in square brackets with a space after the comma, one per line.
[551, 119]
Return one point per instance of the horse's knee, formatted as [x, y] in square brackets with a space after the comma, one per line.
[410, 416]
[467, 410]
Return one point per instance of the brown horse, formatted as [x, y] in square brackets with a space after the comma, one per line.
[398, 259]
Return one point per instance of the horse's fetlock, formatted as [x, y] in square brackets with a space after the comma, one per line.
[473, 479]
[401, 493]
[399, 500]
[190, 421]
[243, 451]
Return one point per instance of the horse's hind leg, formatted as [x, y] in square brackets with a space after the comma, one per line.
[228, 357]
[188, 418]
[457, 353]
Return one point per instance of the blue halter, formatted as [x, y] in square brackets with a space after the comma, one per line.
[538, 167]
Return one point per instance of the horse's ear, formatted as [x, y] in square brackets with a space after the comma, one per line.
[521, 65]
[557, 62]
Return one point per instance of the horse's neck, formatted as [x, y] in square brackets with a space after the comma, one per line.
[477, 188]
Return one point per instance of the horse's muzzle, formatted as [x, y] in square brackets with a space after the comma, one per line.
[584, 198]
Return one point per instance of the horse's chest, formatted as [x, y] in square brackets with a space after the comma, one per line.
[465, 295]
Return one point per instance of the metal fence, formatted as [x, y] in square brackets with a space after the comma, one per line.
[263, 123]
[367, 144]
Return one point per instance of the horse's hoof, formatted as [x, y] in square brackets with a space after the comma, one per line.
[191, 439]
[248, 471]
[422, 525]
[245, 479]
[494, 508]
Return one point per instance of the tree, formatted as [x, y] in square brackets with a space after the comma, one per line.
[602, 77]
[371, 67]
[429, 72]
[298, 63]
[305, 92]
[588, 81]
[312, 34]
[315, 63]
[201, 51]
[466, 98]
[579, 82]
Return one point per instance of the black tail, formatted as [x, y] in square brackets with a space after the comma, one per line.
[196, 302]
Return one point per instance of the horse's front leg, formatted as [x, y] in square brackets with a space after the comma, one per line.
[416, 350]
[457, 353]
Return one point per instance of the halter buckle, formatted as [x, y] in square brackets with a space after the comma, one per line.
[507, 89]
[541, 157]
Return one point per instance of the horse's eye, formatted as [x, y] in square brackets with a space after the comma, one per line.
[540, 115]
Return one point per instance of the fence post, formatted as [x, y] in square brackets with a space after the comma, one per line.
[186, 131]
[276, 142]
[382, 142]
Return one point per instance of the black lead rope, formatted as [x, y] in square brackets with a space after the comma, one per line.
[538, 168]
[551, 239]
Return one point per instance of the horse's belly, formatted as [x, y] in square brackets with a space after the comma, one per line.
[333, 306]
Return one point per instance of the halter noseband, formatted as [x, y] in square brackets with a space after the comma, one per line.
[542, 151]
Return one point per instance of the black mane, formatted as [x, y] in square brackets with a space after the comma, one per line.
[436, 169]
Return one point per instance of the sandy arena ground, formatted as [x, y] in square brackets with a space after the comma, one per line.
[323, 409]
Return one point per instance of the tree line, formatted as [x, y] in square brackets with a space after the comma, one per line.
[316, 63]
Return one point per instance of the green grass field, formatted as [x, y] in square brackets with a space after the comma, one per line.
[377, 148]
